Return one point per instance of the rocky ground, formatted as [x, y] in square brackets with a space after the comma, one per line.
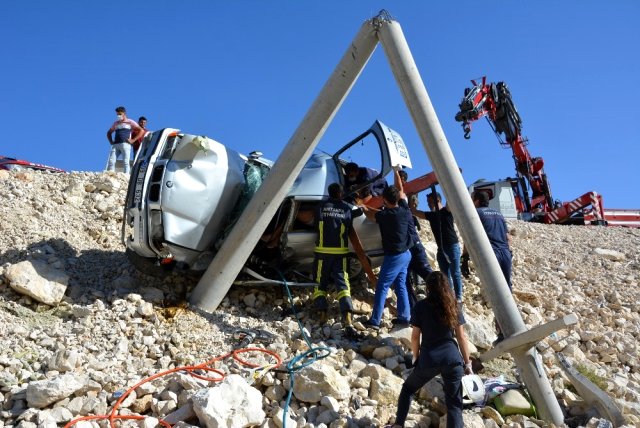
[80, 328]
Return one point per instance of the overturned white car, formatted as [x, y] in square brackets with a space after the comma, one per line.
[187, 191]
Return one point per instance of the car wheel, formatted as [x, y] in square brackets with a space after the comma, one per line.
[149, 266]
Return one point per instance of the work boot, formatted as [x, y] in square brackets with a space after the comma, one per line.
[347, 319]
[322, 317]
[347, 324]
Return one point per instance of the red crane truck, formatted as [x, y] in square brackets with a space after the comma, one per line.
[530, 189]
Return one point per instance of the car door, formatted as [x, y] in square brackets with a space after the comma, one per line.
[382, 148]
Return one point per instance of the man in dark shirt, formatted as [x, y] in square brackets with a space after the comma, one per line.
[333, 222]
[419, 262]
[393, 222]
[356, 176]
[495, 226]
[441, 221]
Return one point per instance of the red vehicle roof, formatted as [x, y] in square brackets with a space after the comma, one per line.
[11, 164]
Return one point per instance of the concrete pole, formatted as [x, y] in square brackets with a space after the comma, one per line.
[237, 247]
[446, 169]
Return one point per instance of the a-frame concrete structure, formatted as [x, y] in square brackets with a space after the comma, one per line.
[233, 254]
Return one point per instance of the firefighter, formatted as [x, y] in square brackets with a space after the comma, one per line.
[333, 223]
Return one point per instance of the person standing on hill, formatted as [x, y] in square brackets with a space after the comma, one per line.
[142, 122]
[495, 227]
[441, 221]
[123, 129]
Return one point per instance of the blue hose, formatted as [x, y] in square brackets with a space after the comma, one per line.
[303, 360]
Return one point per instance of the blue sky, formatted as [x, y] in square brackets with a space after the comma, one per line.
[245, 73]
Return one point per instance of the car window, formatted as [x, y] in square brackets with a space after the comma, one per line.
[364, 151]
[378, 149]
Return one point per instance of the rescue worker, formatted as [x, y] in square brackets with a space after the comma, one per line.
[496, 229]
[441, 221]
[333, 223]
[439, 346]
[393, 222]
[419, 263]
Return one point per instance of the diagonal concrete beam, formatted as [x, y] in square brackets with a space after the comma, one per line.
[591, 393]
[244, 236]
[529, 338]
[435, 143]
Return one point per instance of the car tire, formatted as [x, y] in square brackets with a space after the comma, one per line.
[149, 266]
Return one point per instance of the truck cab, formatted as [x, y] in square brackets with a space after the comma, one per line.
[502, 197]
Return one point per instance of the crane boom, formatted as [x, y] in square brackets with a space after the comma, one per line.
[493, 101]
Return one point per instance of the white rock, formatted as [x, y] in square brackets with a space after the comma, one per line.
[330, 403]
[383, 352]
[64, 360]
[44, 392]
[317, 380]
[279, 419]
[38, 280]
[610, 254]
[145, 309]
[231, 403]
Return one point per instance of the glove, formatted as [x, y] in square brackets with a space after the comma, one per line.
[464, 265]
[410, 361]
[468, 370]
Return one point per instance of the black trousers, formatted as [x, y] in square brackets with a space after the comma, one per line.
[451, 377]
[420, 265]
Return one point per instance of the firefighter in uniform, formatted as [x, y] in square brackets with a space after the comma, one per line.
[333, 222]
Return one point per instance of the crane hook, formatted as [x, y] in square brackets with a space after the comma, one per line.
[467, 130]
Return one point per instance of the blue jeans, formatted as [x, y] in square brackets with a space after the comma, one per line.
[393, 271]
[122, 149]
[449, 262]
[452, 385]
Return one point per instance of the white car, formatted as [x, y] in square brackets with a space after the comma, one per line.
[187, 191]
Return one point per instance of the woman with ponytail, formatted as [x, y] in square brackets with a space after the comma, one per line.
[437, 322]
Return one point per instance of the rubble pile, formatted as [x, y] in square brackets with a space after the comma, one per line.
[80, 328]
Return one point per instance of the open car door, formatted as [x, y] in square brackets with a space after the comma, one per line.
[379, 148]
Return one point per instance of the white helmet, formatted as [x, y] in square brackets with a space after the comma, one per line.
[472, 389]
